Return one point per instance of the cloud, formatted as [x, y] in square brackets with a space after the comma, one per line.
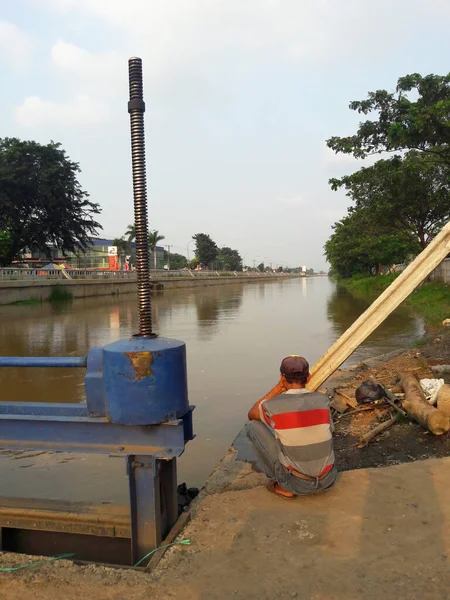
[82, 110]
[73, 59]
[182, 32]
[15, 45]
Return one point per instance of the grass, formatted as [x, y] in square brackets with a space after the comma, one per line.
[60, 294]
[431, 300]
[26, 302]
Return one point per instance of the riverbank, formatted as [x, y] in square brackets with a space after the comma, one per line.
[431, 300]
[380, 533]
[22, 292]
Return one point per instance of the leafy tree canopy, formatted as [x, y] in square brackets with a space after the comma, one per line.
[409, 194]
[130, 233]
[360, 245]
[229, 259]
[41, 200]
[154, 237]
[415, 117]
[177, 261]
[206, 250]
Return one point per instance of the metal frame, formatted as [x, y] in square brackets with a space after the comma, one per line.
[150, 450]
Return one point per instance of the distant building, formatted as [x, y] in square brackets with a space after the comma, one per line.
[95, 256]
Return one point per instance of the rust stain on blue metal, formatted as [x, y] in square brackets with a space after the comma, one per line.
[141, 363]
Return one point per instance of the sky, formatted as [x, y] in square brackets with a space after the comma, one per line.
[241, 96]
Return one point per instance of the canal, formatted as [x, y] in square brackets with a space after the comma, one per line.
[236, 336]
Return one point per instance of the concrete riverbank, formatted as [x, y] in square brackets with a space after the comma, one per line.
[41, 290]
[380, 533]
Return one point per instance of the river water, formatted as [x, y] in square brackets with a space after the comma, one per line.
[236, 336]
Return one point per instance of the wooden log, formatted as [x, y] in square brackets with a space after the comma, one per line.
[443, 399]
[365, 439]
[416, 405]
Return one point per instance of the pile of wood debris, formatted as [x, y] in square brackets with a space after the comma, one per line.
[373, 408]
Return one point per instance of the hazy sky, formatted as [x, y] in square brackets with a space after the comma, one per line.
[241, 96]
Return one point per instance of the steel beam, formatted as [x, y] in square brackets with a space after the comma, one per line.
[377, 312]
[93, 435]
[145, 505]
[52, 362]
[44, 409]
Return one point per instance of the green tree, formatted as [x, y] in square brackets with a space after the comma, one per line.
[153, 238]
[229, 259]
[260, 267]
[409, 194]
[205, 249]
[5, 244]
[41, 201]
[415, 117]
[193, 263]
[130, 233]
[360, 245]
[123, 248]
[177, 261]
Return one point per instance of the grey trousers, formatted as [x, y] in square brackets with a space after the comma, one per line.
[265, 446]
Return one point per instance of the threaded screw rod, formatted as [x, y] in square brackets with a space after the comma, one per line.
[136, 109]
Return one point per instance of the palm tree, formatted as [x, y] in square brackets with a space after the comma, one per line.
[153, 239]
[123, 248]
[130, 233]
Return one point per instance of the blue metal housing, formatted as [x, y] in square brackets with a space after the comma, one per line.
[144, 381]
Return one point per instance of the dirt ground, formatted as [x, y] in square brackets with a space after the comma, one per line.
[380, 533]
[405, 441]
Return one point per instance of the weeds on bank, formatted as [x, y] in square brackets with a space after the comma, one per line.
[60, 294]
[431, 300]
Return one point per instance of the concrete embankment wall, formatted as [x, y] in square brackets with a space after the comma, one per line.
[442, 272]
[22, 291]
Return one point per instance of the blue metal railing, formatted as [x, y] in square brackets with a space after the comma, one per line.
[44, 361]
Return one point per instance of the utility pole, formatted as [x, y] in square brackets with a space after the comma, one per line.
[187, 248]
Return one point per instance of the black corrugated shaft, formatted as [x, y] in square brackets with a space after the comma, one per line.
[136, 108]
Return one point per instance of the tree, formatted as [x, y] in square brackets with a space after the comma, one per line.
[130, 233]
[177, 261]
[360, 245]
[123, 248]
[5, 243]
[193, 263]
[153, 238]
[205, 249]
[409, 194]
[41, 201]
[415, 117]
[229, 259]
[260, 267]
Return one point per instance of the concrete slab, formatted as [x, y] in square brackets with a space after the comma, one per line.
[379, 534]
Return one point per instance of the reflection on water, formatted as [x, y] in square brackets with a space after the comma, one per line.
[235, 335]
[343, 309]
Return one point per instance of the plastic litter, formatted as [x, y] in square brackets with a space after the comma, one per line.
[431, 389]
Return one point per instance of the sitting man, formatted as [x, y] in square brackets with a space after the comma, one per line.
[291, 431]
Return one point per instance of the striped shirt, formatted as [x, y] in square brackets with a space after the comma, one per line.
[302, 423]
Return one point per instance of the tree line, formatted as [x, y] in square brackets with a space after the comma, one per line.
[402, 201]
[207, 254]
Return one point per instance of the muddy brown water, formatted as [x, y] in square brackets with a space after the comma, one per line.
[236, 336]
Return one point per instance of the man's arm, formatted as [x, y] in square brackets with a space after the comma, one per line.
[253, 413]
